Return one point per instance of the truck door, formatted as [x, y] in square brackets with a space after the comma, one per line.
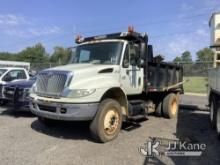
[131, 74]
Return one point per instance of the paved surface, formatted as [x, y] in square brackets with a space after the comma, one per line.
[23, 140]
[194, 102]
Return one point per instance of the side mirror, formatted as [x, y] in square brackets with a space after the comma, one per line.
[143, 50]
[125, 63]
[133, 60]
[7, 78]
[141, 63]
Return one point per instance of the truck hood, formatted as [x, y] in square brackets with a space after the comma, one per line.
[80, 68]
[91, 75]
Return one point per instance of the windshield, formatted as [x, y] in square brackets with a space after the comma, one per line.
[98, 53]
[2, 71]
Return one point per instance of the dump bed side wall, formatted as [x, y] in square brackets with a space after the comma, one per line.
[214, 79]
[163, 75]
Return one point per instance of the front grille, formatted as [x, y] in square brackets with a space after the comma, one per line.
[51, 83]
[47, 108]
[21, 94]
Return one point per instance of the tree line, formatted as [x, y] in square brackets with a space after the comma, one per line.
[37, 55]
[199, 67]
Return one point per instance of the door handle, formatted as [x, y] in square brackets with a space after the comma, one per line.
[123, 77]
[139, 81]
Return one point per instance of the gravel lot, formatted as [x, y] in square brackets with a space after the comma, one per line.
[23, 140]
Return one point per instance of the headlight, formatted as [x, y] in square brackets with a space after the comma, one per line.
[80, 93]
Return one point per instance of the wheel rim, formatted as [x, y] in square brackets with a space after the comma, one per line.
[111, 121]
[211, 112]
[174, 107]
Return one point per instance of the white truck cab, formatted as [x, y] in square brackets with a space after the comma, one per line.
[95, 68]
[104, 72]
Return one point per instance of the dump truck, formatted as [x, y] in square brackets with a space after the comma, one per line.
[214, 73]
[214, 98]
[110, 79]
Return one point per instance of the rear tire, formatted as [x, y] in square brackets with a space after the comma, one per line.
[158, 111]
[218, 122]
[170, 106]
[107, 122]
[213, 113]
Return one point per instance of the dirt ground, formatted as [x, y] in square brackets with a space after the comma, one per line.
[24, 141]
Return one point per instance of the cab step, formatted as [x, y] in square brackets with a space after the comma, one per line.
[137, 117]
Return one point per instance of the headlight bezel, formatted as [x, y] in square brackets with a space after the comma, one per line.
[78, 93]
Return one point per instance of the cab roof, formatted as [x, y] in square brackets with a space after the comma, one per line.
[12, 68]
[129, 36]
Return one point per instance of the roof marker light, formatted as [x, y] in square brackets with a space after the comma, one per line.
[79, 38]
[130, 29]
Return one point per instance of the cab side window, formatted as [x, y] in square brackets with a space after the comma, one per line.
[126, 61]
[134, 55]
[15, 74]
[131, 56]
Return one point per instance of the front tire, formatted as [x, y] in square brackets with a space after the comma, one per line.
[3, 102]
[170, 106]
[107, 122]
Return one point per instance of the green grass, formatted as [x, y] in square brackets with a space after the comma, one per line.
[195, 85]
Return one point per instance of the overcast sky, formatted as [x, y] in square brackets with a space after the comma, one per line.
[173, 26]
